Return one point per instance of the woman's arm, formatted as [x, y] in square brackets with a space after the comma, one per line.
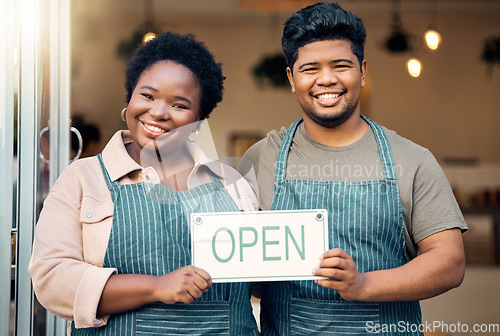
[130, 291]
[65, 282]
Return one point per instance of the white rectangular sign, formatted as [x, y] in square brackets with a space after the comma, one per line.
[259, 246]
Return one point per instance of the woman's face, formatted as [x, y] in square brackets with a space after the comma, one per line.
[166, 98]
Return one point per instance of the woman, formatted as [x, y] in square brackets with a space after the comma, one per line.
[112, 245]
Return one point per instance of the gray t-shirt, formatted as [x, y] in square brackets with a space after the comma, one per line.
[426, 196]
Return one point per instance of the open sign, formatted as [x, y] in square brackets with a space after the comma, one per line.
[259, 246]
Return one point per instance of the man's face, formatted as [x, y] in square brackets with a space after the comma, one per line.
[327, 80]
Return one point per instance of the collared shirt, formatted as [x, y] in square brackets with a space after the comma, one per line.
[73, 230]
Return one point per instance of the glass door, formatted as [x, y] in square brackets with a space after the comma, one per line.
[8, 63]
[34, 146]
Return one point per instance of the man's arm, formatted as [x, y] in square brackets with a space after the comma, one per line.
[439, 267]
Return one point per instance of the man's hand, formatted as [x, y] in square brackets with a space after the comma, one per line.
[342, 272]
[439, 267]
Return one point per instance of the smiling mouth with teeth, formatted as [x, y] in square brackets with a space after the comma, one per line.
[154, 129]
[328, 96]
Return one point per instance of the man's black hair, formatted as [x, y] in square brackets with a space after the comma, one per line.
[320, 22]
[184, 50]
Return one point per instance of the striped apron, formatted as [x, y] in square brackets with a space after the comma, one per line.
[150, 235]
[364, 219]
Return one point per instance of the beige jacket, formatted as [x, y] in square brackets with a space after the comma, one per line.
[72, 232]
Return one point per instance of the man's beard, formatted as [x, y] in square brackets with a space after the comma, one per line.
[331, 120]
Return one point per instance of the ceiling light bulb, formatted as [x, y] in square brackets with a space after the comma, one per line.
[414, 67]
[148, 37]
[432, 39]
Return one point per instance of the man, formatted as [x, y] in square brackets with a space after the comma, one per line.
[394, 225]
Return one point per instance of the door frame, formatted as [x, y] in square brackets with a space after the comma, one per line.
[40, 57]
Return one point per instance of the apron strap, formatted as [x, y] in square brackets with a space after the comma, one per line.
[283, 153]
[384, 149]
[216, 180]
[109, 183]
[380, 137]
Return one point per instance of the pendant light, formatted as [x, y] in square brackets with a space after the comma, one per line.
[143, 34]
[414, 66]
[149, 25]
[431, 37]
[398, 40]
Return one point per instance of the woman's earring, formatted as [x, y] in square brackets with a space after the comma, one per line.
[122, 113]
[196, 134]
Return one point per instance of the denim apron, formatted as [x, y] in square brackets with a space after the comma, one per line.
[364, 219]
[150, 235]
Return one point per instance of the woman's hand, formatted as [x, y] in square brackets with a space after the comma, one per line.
[342, 272]
[185, 284]
[125, 292]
